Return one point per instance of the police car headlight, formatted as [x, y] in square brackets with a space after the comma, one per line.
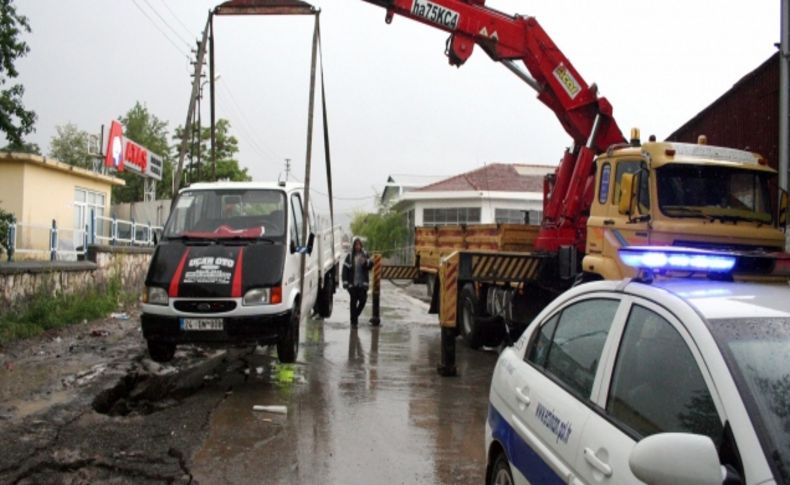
[155, 296]
[263, 296]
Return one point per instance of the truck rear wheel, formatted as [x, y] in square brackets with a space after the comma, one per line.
[326, 296]
[161, 351]
[288, 342]
[467, 316]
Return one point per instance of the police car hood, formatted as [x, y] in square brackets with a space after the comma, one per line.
[215, 270]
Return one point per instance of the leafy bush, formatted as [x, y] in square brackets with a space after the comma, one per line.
[44, 311]
[6, 219]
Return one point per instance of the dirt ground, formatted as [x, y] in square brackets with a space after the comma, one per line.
[86, 405]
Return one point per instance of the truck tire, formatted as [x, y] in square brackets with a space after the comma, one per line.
[468, 322]
[325, 302]
[288, 341]
[161, 351]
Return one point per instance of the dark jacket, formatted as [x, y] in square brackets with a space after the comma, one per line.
[348, 270]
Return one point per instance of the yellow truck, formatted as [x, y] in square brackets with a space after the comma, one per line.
[491, 280]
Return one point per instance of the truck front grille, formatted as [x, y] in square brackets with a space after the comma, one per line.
[212, 306]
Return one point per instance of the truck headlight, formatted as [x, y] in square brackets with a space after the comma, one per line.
[155, 296]
[263, 296]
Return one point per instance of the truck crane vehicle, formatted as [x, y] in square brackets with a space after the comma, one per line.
[605, 193]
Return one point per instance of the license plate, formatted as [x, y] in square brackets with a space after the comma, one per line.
[201, 324]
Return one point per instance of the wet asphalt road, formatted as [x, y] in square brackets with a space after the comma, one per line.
[363, 406]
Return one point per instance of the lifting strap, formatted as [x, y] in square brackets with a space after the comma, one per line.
[327, 156]
[308, 158]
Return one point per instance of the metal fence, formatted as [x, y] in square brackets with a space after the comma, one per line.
[69, 244]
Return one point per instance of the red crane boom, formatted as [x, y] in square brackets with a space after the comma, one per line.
[585, 116]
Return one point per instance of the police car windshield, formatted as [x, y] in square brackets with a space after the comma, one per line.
[758, 354]
[227, 214]
[714, 192]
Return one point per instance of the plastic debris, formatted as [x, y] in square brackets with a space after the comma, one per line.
[274, 409]
[120, 316]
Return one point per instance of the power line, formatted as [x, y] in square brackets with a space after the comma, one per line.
[186, 29]
[167, 24]
[156, 26]
[246, 125]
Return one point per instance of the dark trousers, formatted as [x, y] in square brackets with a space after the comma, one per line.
[359, 295]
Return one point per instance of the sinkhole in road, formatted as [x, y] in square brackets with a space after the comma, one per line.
[142, 391]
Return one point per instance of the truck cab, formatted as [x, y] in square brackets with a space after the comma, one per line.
[679, 194]
[228, 269]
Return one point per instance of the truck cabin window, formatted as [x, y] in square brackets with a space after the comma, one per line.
[714, 192]
[228, 214]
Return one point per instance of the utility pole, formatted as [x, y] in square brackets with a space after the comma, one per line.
[201, 54]
[287, 169]
[212, 80]
[784, 96]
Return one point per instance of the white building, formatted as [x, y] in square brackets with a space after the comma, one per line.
[494, 193]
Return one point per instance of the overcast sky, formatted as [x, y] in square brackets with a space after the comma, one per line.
[395, 105]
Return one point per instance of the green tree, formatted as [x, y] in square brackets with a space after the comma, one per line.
[144, 128]
[227, 146]
[71, 145]
[15, 120]
[384, 230]
[23, 147]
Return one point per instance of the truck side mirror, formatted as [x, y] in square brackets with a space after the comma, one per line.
[310, 242]
[627, 194]
[782, 219]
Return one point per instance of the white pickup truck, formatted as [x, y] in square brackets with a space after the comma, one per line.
[227, 269]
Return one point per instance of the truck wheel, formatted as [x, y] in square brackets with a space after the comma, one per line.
[288, 342]
[161, 351]
[325, 301]
[467, 318]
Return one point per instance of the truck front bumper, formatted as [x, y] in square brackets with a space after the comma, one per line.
[247, 329]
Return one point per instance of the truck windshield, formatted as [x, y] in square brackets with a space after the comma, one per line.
[714, 192]
[227, 214]
[758, 358]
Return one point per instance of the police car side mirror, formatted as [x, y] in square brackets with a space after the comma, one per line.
[671, 458]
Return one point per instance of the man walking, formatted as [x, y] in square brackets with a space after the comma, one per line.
[355, 278]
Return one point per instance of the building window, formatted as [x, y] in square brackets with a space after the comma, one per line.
[511, 216]
[84, 201]
[450, 216]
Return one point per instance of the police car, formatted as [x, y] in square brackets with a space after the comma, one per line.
[669, 381]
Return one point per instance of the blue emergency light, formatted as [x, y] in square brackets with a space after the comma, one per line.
[677, 259]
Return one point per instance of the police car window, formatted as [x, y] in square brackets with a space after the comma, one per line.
[571, 351]
[656, 385]
[540, 347]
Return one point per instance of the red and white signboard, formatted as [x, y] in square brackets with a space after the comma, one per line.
[124, 154]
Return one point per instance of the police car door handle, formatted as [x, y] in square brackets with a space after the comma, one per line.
[608, 222]
[597, 463]
[522, 397]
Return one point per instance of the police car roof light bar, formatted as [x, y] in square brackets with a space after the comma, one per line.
[677, 259]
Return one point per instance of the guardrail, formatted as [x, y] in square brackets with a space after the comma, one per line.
[71, 243]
